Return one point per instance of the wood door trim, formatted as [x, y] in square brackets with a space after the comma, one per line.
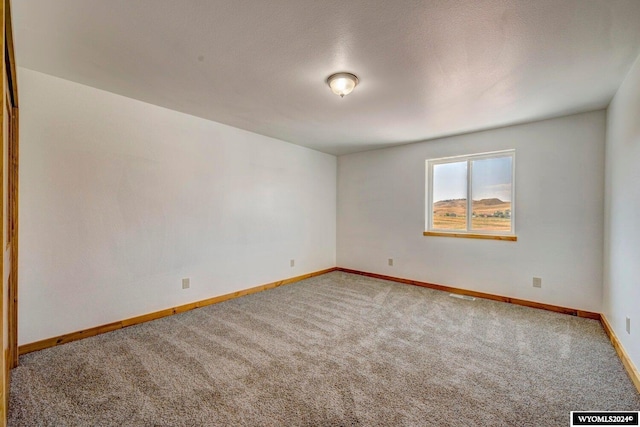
[8, 323]
[14, 156]
[12, 75]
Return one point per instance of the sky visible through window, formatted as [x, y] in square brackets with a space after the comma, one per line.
[491, 179]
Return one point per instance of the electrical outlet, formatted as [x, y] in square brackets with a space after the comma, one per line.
[390, 262]
[537, 282]
[292, 263]
[628, 325]
[186, 282]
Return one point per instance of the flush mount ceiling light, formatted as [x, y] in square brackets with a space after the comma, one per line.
[342, 83]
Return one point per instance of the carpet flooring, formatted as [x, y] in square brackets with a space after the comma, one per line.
[334, 350]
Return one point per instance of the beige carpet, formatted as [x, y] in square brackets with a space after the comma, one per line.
[335, 350]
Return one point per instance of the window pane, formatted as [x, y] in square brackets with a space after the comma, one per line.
[450, 196]
[491, 181]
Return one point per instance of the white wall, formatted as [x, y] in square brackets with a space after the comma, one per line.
[120, 199]
[559, 214]
[622, 214]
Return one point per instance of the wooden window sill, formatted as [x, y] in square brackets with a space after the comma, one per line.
[506, 237]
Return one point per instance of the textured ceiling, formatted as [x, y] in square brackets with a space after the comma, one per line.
[426, 68]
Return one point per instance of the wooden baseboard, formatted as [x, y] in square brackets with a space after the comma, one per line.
[628, 364]
[558, 309]
[90, 332]
[632, 370]
[74, 336]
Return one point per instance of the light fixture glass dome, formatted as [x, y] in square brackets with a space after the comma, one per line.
[342, 83]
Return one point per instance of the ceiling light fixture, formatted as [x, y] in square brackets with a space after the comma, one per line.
[342, 83]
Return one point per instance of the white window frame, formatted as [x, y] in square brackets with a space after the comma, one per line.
[430, 163]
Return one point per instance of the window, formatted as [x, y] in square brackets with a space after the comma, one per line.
[471, 196]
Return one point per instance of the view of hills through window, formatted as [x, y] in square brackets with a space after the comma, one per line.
[491, 188]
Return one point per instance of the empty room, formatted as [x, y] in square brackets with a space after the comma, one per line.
[320, 213]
